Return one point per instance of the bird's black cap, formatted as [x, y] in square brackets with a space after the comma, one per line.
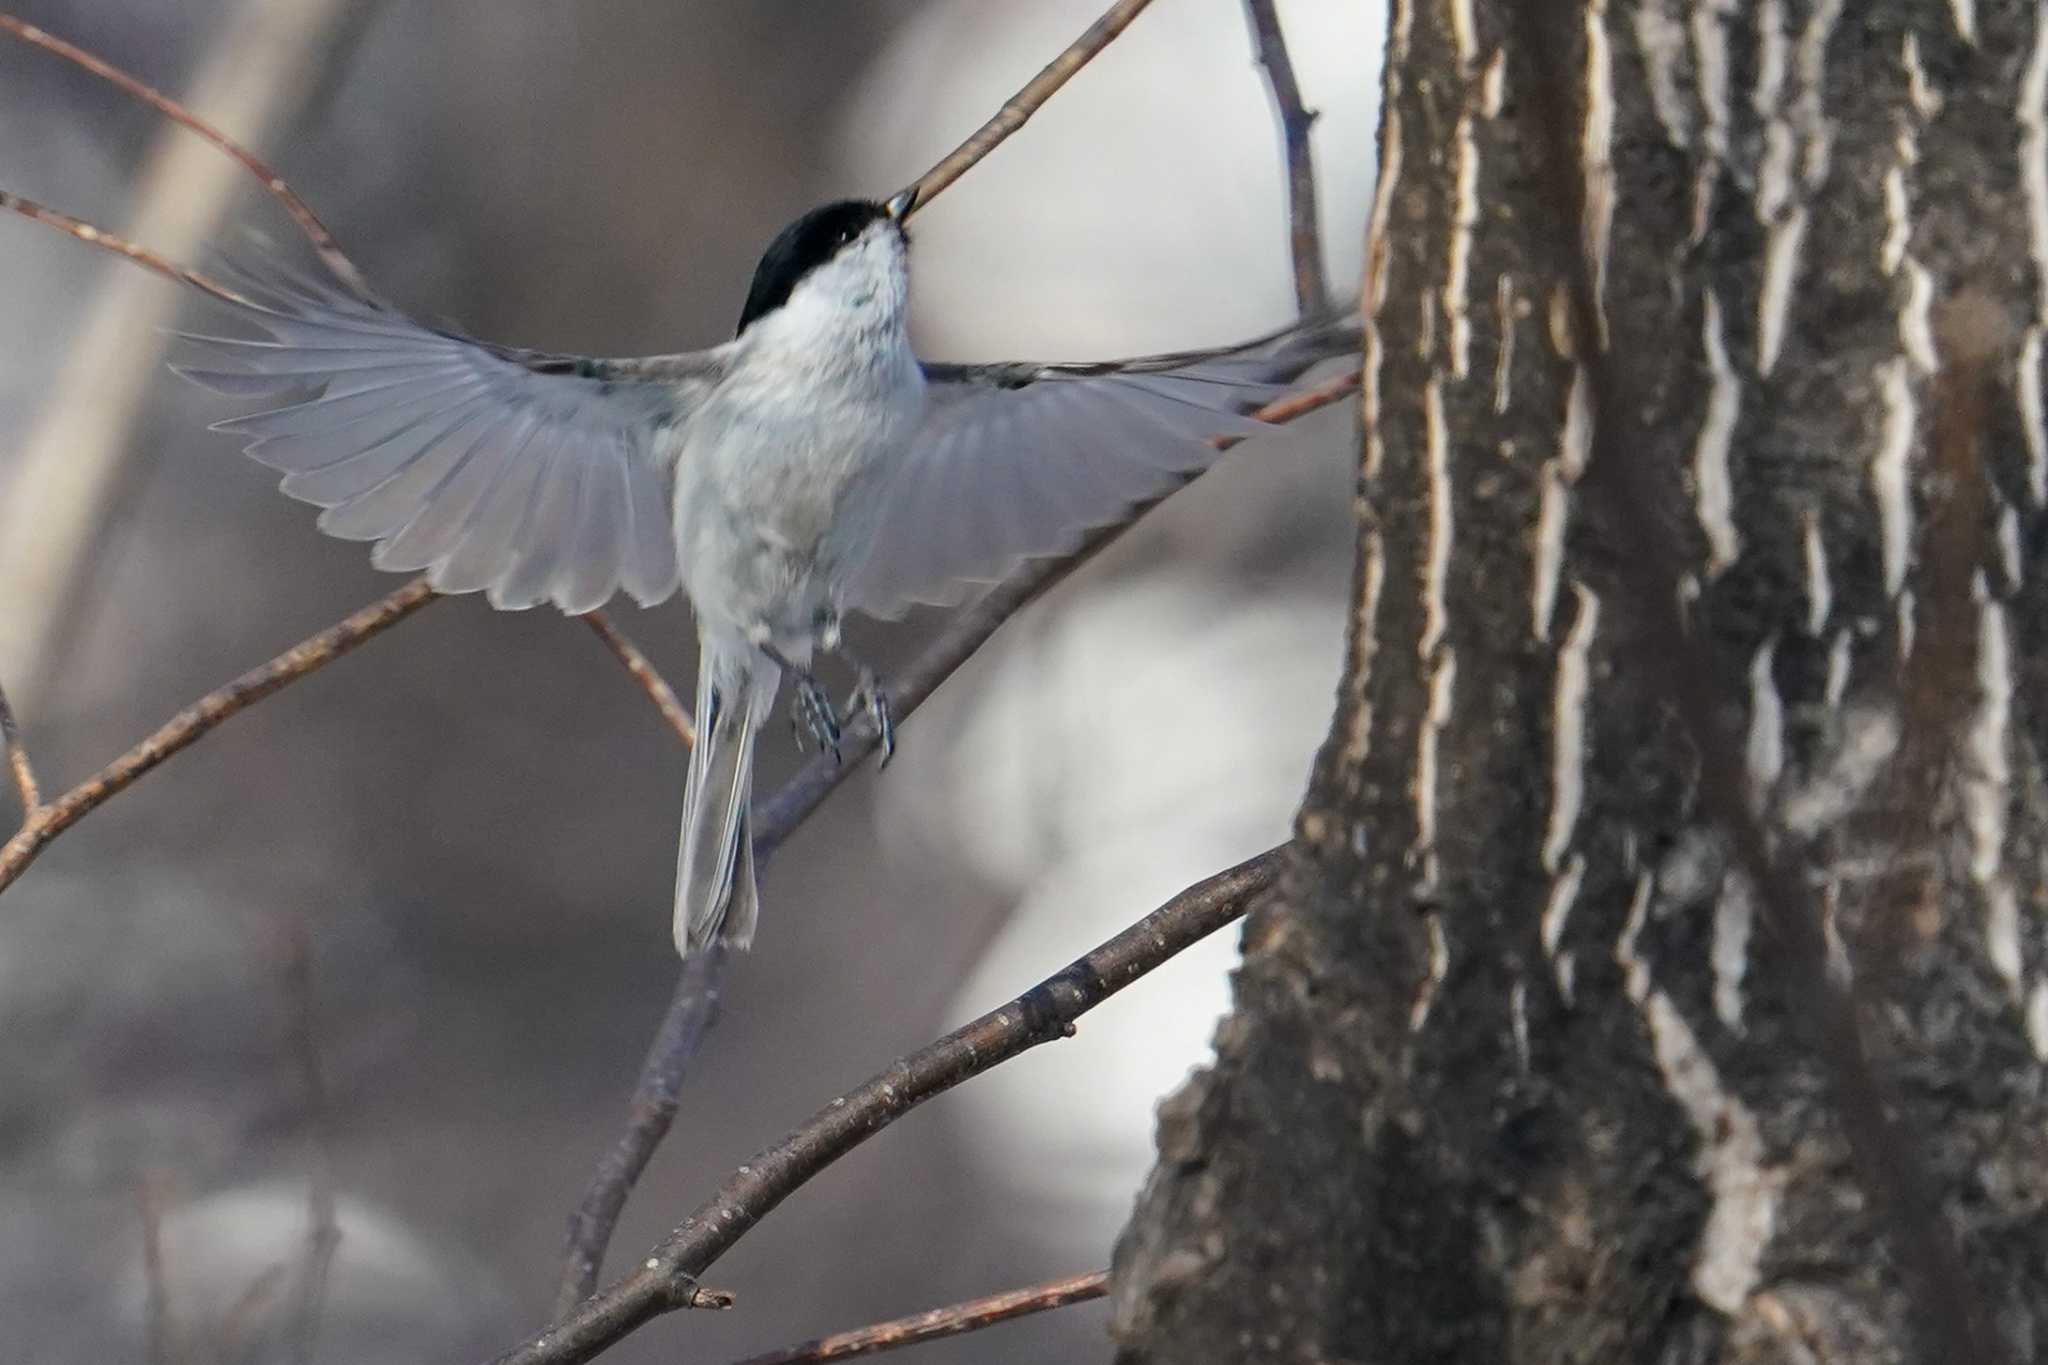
[802, 247]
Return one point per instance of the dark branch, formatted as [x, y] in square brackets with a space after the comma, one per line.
[1024, 103]
[316, 232]
[665, 1280]
[203, 716]
[956, 1320]
[692, 1010]
[1621, 486]
[1304, 235]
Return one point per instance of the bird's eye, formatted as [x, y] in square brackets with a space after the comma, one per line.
[847, 234]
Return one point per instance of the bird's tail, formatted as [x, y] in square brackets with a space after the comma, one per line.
[715, 892]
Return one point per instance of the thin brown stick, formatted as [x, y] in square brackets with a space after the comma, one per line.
[1022, 105]
[956, 1320]
[1304, 233]
[203, 716]
[18, 764]
[644, 672]
[692, 1007]
[666, 1279]
[120, 246]
[301, 213]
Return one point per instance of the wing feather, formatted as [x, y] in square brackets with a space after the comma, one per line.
[525, 475]
[1020, 461]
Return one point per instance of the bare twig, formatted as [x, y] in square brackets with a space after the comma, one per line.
[665, 1280]
[651, 682]
[18, 764]
[691, 1009]
[1304, 234]
[120, 246]
[1621, 485]
[204, 715]
[1024, 103]
[956, 1320]
[302, 213]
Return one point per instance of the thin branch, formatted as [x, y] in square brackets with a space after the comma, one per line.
[301, 213]
[692, 1010]
[651, 682]
[18, 763]
[1022, 105]
[202, 716]
[666, 1279]
[957, 1320]
[1620, 485]
[692, 1007]
[1304, 235]
[120, 246]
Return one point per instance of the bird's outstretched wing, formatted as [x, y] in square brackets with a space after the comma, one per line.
[524, 475]
[1020, 461]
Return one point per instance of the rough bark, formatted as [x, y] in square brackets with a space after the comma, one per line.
[1515, 1072]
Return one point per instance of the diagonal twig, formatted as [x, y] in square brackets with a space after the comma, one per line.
[665, 1280]
[1022, 105]
[956, 1320]
[203, 716]
[692, 1010]
[692, 1007]
[1304, 233]
[103, 240]
[644, 672]
[301, 212]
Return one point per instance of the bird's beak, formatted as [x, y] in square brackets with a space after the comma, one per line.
[900, 205]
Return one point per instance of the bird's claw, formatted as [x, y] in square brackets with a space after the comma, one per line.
[870, 696]
[812, 718]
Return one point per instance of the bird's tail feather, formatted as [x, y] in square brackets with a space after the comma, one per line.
[715, 891]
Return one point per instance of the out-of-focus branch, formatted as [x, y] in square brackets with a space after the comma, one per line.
[18, 764]
[1022, 105]
[1680, 665]
[202, 717]
[301, 212]
[156, 1299]
[692, 1008]
[323, 1231]
[1304, 233]
[642, 668]
[956, 1320]
[71, 462]
[666, 1279]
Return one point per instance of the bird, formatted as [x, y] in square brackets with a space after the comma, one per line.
[812, 466]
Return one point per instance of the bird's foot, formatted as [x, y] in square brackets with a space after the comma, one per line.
[870, 696]
[811, 716]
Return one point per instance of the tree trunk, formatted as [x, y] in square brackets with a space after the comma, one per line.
[1517, 1070]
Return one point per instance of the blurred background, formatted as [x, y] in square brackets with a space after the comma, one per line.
[469, 825]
